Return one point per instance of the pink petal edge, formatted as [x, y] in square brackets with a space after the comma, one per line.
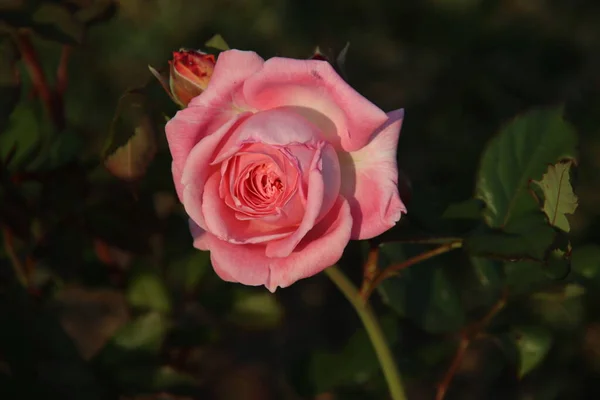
[373, 193]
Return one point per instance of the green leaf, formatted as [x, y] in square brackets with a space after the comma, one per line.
[432, 301]
[562, 309]
[393, 290]
[355, 363]
[217, 42]
[56, 22]
[423, 293]
[527, 237]
[145, 333]
[131, 109]
[187, 272]
[482, 284]
[130, 161]
[533, 343]
[163, 79]
[146, 290]
[559, 198]
[586, 261]
[468, 209]
[393, 294]
[23, 133]
[168, 377]
[64, 149]
[561, 293]
[520, 153]
[96, 11]
[259, 310]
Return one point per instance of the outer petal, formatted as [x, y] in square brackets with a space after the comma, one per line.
[276, 127]
[321, 247]
[197, 169]
[318, 93]
[216, 105]
[247, 264]
[370, 181]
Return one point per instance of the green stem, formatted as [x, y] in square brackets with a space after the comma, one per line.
[366, 315]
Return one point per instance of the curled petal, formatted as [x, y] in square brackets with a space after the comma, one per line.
[234, 263]
[316, 91]
[276, 127]
[370, 181]
[247, 264]
[197, 169]
[221, 221]
[314, 202]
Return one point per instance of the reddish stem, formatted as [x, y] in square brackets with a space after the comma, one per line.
[370, 269]
[442, 388]
[392, 270]
[467, 335]
[36, 73]
[62, 71]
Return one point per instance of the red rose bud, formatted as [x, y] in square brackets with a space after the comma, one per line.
[190, 73]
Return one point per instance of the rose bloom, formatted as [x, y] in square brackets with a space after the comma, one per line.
[280, 163]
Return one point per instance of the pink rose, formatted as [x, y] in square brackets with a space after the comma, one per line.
[280, 163]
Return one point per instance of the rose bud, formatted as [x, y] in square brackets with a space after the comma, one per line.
[190, 72]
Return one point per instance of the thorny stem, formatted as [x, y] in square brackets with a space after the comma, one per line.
[392, 270]
[367, 316]
[467, 335]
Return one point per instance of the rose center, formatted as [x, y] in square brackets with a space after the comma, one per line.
[263, 182]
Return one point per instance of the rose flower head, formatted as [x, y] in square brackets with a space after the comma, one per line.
[280, 163]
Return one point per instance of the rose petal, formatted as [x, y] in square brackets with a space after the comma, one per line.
[197, 169]
[324, 181]
[370, 181]
[221, 221]
[247, 264]
[319, 94]
[314, 201]
[215, 106]
[321, 247]
[177, 182]
[276, 127]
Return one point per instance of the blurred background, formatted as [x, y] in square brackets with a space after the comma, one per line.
[119, 305]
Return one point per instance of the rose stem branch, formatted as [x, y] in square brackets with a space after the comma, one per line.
[370, 269]
[392, 270]
[366, 315]
[36, 73]
[62, 79]
[62, 70]
[467, 335]
[18, 267]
